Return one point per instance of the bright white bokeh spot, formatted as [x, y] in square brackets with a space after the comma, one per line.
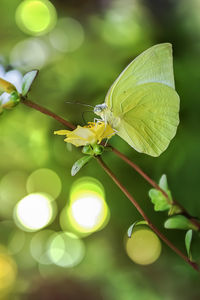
[66, 249]
[87, 211]
[34, 212]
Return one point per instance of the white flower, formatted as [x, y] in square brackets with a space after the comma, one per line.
[14, 77]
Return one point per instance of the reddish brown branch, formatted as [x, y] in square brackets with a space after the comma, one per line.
[48, 112]
[139, 209]
[155, 185]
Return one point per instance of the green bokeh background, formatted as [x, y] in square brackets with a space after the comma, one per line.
[114, 33]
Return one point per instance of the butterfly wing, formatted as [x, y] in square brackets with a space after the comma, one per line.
[150, 121]
[144, 99]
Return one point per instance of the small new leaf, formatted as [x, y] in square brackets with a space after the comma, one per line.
[79, 164]
[179, 222]
[130, 230]
[188, 240]
[27, 81]
[158, 199]
[175, 210]
[163, 182]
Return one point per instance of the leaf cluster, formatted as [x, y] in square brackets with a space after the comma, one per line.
[164, 202]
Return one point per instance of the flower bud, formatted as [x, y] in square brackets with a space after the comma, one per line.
[98, 149]
[12, 101]
[6, 86]
[87, 150]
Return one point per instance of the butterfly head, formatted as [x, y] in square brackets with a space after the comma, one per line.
[100, 109]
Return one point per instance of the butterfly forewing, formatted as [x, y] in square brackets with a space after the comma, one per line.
[153, 65]
[144, 99]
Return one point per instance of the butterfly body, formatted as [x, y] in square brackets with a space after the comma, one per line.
[142, 104]
[107, 115]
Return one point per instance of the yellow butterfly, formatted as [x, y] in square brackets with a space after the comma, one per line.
[142, 104]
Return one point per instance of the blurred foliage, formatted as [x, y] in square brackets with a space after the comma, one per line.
[78, 60]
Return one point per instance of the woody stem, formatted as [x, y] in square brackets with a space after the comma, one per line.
[47, 112]
[142, 213]
[155, 185]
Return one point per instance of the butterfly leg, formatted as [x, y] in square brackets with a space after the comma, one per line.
[97, 120]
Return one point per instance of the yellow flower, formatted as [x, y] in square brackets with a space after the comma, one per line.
[90, 134]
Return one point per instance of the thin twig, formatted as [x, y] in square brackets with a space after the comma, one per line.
[48, 112]
[142, 213]
[155, 185]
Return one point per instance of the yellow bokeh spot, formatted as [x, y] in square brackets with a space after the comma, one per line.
[87, 211]
[34, 212]
[143, 247]
[8, 272]
[36, 17]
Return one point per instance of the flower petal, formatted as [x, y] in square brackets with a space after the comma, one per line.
[62, 132]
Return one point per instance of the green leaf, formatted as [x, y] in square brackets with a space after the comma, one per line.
[130, 230]
[188, 240]
[163, 183]
[158, 199]
[27, 81]
[179, 222]
[79, 164]
[175, 210]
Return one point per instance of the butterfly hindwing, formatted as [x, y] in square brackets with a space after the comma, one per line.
[150, 122]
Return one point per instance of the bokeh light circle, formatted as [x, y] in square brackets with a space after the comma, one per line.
[34, 212]
[16, 242]
[44, 181]
[143, 247]
[39, 246]
[8, 272]
[66, 249]
[87, 211]
[67, 36]
[10, 196]
[36, 17]
[31, 53]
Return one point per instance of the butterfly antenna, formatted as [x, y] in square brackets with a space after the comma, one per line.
[80, 103]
